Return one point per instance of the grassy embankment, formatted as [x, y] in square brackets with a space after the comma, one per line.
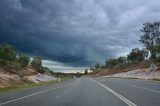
[29, 84]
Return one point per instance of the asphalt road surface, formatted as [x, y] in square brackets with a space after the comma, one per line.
[88, 92]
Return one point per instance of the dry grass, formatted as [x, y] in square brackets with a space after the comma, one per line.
[28, 84]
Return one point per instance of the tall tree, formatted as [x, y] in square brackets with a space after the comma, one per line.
[151, 38]
[150, 32]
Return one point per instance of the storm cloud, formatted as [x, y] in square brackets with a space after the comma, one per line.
[75, 32]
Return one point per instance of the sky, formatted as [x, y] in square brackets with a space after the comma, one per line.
[75, 34]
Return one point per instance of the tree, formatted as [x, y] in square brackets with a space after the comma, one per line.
[86, 71]
[122, 60]
[150, 32]
[36, 63]
[151, 38]
[155, 51]
[7, 53]
[91, 68]
[23, 60]
[112, 63]
[97, 66]
[135, 55]
[146, 53]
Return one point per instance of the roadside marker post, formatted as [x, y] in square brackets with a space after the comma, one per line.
[59, 79]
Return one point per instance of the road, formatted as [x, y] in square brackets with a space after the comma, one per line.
[88, 92]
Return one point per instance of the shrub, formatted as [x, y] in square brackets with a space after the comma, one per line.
[2, 63]
[23, 60]
[7, 53]
[36, 62]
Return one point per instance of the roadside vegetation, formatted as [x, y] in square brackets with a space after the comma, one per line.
[29, 84]
[15, 67]
[9, 58]
[150, 39]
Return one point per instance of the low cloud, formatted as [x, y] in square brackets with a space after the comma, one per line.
[61, 67]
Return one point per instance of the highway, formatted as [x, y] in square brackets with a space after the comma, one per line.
[88, 92]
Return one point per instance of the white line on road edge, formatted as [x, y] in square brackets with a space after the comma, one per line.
[128, 102]
[145, 88]
[33, 94]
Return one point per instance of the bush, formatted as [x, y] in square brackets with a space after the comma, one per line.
[155, 51]
[7, 53]
[2, 63]
[97, 66]
[40, 70]
[36, 63]
[135, 55]
[16, 66]
[51, 72]
[23, 60]
[86, 71]
[112, 63]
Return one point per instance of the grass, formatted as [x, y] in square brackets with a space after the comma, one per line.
[155, 79]
[28, 84]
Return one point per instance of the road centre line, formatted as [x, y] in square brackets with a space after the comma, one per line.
[128, 102]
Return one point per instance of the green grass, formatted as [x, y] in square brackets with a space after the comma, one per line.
[28, 84]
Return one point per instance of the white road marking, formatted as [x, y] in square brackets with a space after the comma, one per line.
[145, 88]
[33, 94]
[128, 102]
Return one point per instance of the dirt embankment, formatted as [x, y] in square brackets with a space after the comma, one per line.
[142, 73]
[140, 67]
[7, 79]
[10, 76]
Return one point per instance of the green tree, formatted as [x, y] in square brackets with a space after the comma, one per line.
[150, 31]
[121, 60]
[155, 51]
[97, 66]
[23, 60]
[135, 55]
[112, 63]
[7, 53]
[92, 69]
[86, 71]
[36, 63]
[145, 53]
[151, 38]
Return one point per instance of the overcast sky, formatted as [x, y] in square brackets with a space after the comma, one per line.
[77, 33]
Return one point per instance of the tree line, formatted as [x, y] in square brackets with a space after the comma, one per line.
[151, 41]
[8, 56]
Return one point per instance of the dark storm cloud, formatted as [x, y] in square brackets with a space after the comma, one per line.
[77, 32]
